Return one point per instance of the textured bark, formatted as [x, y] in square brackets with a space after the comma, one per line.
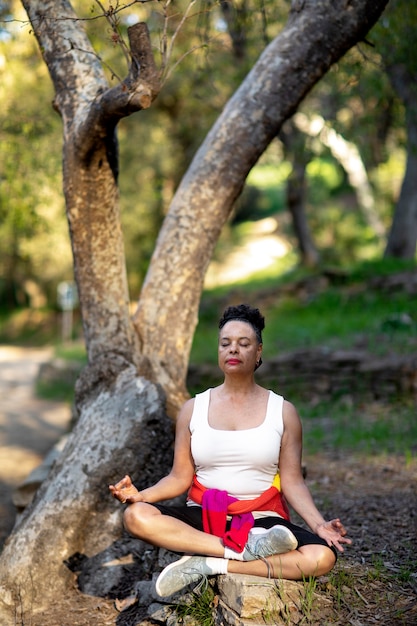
[90, 111]
[318, 33]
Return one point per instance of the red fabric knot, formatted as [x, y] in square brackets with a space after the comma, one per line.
[217, 505]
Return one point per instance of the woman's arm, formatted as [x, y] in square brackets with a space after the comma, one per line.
[294, 487]
[180, 477]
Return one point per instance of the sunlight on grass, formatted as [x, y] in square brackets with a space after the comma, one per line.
[259, 250]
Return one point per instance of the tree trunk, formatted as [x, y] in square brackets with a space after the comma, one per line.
[347, 154]
[402, 238]
[121, 426]
[90, 111]
[295, 150]
[235, 16]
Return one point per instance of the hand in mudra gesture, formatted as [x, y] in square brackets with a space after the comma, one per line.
[125, 491]
[334, 533]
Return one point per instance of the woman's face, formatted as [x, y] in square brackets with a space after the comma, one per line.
[239, 349]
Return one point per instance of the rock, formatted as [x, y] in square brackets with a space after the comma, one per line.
[255, 601]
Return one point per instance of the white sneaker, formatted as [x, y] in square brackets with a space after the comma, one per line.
[180, 574]
[276, 540]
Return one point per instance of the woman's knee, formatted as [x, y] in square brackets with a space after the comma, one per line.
[137, 517]
[326, 560]
[320, 559]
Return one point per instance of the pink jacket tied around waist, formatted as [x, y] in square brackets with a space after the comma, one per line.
[217, 505]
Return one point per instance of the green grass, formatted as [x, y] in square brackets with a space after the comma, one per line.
[364, 427]
[72, 352]
[34, 327]
[198, 610]
[58, 391]
[342, 316]
[341, 319]
[59, 383]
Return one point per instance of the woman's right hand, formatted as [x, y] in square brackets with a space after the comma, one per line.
[125, 491]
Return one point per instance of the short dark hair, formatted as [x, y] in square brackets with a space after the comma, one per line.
[244, 313]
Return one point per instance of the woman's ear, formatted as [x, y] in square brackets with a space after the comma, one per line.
[259, 357]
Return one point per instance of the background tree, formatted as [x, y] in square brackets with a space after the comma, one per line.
[119, 409]
[296, 150]
[397, 32]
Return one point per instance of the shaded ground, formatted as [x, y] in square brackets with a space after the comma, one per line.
[377, 499]
[375, 581]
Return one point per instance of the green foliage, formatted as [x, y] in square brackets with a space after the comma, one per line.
[198, 610]
[395, 34]
[211, 54]
[33, 230]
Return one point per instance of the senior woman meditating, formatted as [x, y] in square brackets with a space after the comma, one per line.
[237, 454]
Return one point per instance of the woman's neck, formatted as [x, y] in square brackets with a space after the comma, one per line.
[239, 386]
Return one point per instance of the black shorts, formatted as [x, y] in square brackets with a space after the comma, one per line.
[192, 515]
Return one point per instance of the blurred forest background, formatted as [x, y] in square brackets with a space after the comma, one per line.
[323, 195]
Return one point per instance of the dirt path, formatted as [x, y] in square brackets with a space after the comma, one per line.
[29, 427]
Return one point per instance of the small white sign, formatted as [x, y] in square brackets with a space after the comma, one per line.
[67, 296]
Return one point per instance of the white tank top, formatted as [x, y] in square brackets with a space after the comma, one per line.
[241, 462]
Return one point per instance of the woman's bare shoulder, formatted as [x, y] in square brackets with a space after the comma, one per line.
[290, 413]
[186, 410]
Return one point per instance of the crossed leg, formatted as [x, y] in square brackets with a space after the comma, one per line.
[146, 522]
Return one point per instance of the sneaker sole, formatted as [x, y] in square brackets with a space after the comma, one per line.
[286, 539]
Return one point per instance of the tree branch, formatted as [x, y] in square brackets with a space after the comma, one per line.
[136, 92]
[141, 86]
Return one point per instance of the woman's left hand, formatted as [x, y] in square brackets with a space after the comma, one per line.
[334, 533]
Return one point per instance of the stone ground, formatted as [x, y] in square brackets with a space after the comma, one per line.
[374, 582]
